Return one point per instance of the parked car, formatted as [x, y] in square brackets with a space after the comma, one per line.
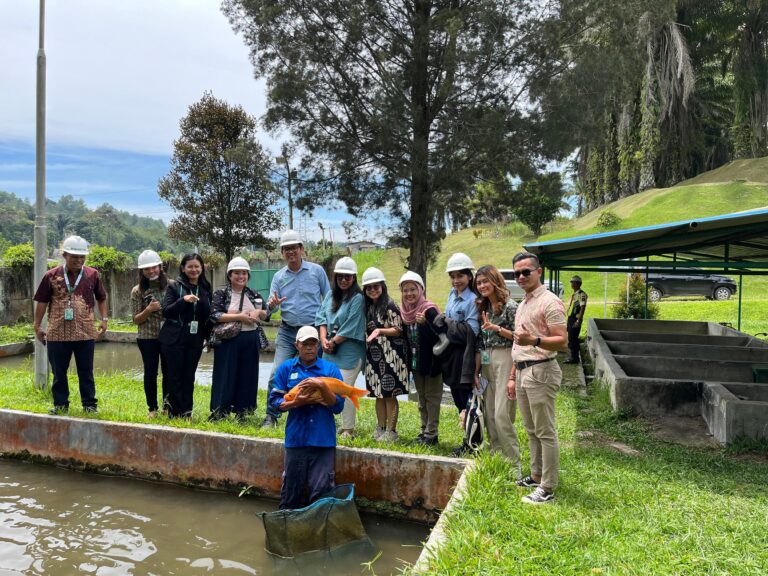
[518, 293]
[683, 283]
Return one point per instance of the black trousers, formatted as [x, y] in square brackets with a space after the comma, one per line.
[461, 397]
[181, 360]
[573, 337]
[152, 360]
[235, 375]
[59, 356]
[309, 473]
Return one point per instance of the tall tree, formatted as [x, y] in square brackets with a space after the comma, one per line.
[397, 103]
[218, 184]
[538, 200]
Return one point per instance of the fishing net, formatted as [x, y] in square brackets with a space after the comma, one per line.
[327, 525]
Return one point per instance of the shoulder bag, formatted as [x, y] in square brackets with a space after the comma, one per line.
[226, 330]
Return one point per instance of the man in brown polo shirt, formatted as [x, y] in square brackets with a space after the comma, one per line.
[69, 293]
[540, 332]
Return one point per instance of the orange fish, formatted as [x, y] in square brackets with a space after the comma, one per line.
[336, 386]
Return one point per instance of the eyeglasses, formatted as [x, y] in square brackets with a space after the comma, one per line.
[291, 248]
[371, 287]
[344, 276]
[525, 272]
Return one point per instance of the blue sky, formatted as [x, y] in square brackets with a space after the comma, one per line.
[120, 76]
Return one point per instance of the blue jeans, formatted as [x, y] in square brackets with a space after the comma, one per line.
[59, 356]
[285, 349]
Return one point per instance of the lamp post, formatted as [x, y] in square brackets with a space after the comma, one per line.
[41, 233]
[290, 174]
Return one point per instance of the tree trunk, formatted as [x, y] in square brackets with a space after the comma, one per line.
[421, 193]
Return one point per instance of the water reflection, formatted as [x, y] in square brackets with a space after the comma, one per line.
[55, 521]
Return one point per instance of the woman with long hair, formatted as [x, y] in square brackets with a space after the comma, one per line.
[186, 309]
[341, 322]
[386, 355]
[147, 313]
[418, 314]
[236, 360]
[494, 361]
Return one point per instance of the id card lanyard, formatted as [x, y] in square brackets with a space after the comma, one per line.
[69, 312]
[192, 325]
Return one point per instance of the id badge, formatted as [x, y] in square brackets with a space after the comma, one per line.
[193, 327]
[69, 313]
[485, 357]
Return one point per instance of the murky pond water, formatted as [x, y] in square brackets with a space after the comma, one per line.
[115, 357]
[55, 521]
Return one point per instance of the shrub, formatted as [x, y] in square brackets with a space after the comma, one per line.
[20, 256]
[170, 261]
[608, 220]
[635, 306]
[108, 259]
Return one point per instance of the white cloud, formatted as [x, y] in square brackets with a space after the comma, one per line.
[120, 75]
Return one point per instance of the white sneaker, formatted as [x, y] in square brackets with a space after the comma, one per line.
[539, 496]
[378, 434]
[390, 436]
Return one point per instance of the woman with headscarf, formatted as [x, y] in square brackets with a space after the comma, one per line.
[418, 314]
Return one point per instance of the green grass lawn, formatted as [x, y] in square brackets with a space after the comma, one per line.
[121, 399]
[669, 509]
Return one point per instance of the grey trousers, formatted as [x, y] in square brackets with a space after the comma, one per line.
[430, 391]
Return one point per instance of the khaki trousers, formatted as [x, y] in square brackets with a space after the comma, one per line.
[536, 388]
[430, 392]
[499, 412]
[348, 415]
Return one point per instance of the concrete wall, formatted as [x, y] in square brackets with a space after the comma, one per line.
[17, 291]
[404, 485]
[735, 410]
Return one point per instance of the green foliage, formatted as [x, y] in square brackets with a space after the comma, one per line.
[20, 256]
[398, 109]
[538, 200]
[634, 306]
[108, 259]
[608, 220]
[219, 184]
[170, 260]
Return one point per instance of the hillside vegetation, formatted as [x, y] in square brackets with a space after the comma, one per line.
[695, 199]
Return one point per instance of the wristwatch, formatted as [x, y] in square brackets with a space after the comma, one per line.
[105, 319]
[538, 341]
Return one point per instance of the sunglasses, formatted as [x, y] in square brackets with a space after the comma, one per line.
[344, 276]
[525, 272]
[371, 287]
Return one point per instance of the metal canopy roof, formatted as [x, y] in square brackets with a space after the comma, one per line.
[737, 242]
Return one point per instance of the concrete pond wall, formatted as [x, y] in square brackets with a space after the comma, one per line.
[679, 368]
[408, 486]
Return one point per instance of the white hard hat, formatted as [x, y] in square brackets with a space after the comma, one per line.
[373, 275]
[238, 263]
[459, 261]
[411, 277]
[345, 266]
[307, 333]
[149, 258]
[75, 245]
[289, 238]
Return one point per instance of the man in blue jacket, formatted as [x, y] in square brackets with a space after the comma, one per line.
[310, 431]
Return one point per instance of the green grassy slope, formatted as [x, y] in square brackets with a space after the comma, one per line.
[697, 198]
